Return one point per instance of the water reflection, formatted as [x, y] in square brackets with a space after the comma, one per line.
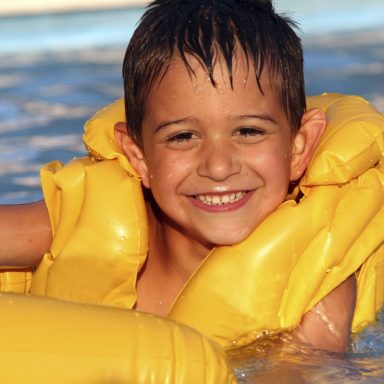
[316, 367]
[274, 360]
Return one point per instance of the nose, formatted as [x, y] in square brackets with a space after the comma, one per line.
[218, 160]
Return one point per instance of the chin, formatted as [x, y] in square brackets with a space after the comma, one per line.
[225, 239]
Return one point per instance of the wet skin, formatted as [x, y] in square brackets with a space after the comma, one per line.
[217, 159]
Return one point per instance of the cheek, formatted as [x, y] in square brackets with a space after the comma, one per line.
[273, 166]
[166, 174]
[272, 160]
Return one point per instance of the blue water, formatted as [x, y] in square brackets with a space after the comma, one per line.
[363, 364]
[57, 70]
[329, 16]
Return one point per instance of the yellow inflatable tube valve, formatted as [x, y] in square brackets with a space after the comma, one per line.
[17, 280]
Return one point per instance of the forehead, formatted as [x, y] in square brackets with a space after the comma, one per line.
[182, 86]
[179, 72]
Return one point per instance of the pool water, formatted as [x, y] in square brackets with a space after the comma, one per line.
[267, 364]
[57, 70]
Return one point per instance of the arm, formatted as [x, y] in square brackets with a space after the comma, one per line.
[25, 234]
[327, 326]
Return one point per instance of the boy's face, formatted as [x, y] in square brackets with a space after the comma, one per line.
[218, 160]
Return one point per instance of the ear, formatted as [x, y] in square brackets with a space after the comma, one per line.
[304, 143]
[133, 152]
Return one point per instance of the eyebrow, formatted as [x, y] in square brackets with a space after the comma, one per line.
[260, 116]
[172, 122]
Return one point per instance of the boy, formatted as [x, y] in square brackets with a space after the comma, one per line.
[217, 129]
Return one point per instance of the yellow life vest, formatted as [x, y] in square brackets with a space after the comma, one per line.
[293, 259]
[265, 284]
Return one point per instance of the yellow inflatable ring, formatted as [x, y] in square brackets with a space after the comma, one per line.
[50, 341]
[333, 231]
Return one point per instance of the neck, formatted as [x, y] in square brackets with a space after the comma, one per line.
[179, 252]
[172, 259]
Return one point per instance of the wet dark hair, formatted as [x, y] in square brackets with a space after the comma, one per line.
[207, 29]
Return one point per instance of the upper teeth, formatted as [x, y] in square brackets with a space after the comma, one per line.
[220, 199]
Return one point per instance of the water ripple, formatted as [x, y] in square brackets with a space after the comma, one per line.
[273, 361]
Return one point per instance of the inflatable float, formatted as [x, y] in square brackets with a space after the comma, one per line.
[329, 228]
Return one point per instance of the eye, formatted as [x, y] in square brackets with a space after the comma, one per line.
[249, 135]
[181, 137]
[249, 131]
[181, 140]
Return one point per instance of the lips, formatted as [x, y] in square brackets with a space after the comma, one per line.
[222, 199]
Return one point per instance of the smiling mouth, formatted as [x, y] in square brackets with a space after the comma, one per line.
[220, 199]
